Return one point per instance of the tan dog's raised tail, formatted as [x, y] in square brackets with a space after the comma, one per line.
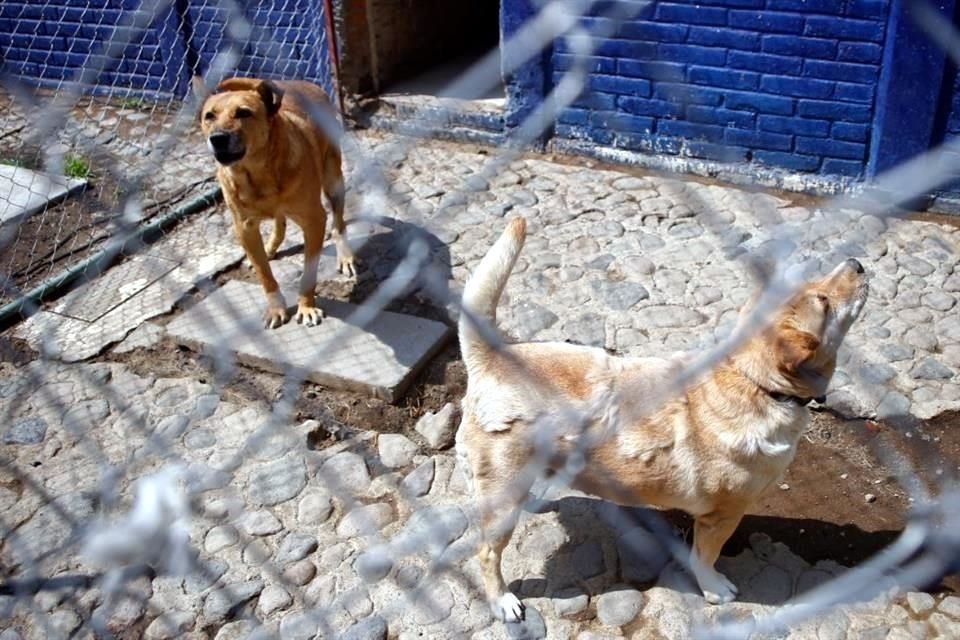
[276, 159]
[710, 450]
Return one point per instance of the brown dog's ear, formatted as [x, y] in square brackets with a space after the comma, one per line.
[271, 95]
[238, 84]
[794, 348]
[200, 92]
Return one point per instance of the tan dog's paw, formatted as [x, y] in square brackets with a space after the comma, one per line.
[308, 315]
[508, 608]
[275, 317]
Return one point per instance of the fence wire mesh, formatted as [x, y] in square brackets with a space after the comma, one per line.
[140, 502]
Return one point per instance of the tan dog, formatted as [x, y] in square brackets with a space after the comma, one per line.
[275, 160]
[710, 451]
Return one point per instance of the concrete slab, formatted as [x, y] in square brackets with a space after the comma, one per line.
[380, 360]
[24, 192]
[201, 247]
[116, 286]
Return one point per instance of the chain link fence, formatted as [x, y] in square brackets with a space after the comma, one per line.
[141, 505]
[112, 81]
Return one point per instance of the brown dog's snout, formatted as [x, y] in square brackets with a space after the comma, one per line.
[854, 264]
[220, 140]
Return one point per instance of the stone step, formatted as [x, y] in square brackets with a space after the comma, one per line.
[381, 359]
[24, 192]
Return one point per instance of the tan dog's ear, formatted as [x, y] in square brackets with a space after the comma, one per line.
[794, 348]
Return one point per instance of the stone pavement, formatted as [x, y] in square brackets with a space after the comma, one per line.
[648, 265]
[637, 264]
[105, 310]
[379, 359]
[640, 265]
[373, 532]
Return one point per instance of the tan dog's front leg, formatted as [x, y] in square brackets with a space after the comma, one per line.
[276, 236]
[307, 311]
[710, 532]
[335, 190]
[248, 232]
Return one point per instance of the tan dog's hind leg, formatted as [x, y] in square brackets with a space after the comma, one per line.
[248, 232]
[497, 523]
[276, 236]
[307, 311]
[334, 188]
[710, 532]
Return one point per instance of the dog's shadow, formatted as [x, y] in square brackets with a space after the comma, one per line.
[381, 245]
[609, 548]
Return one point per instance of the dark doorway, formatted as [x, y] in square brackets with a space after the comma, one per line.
[413, 49]
[445, 38]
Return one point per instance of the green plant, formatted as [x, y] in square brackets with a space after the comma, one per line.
[132, 103]
[76, 167]
[13, 162]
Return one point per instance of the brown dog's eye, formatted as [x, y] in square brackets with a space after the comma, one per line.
[243, 113]
[824, 300]
[208, 116]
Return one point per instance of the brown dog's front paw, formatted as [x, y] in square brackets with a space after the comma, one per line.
[275, 317]
[346, 263]
[308, 315]
[347, 266]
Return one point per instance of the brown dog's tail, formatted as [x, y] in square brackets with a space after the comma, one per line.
[482, 293]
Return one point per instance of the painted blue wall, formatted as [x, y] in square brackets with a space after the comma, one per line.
[47, 43]
[784, 83]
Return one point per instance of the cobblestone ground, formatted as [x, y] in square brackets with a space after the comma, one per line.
[377, 529]
[647, 265]
[276, 537]
[130, 140]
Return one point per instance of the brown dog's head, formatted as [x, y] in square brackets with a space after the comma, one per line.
[236, 118]
[797, 354]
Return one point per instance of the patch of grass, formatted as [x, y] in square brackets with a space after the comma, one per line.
[132, 103]
[76, 167]
[13, 162]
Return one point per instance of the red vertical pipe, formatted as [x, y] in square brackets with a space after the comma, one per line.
[332, 45]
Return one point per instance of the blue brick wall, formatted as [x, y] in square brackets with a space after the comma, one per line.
[47, 43]
[784, 83]
[288, 39]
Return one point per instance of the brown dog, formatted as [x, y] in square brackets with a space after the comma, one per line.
[710, 450]
[275, 160]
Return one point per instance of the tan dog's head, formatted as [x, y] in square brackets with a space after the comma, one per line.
[236, 118]
[800, 347]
